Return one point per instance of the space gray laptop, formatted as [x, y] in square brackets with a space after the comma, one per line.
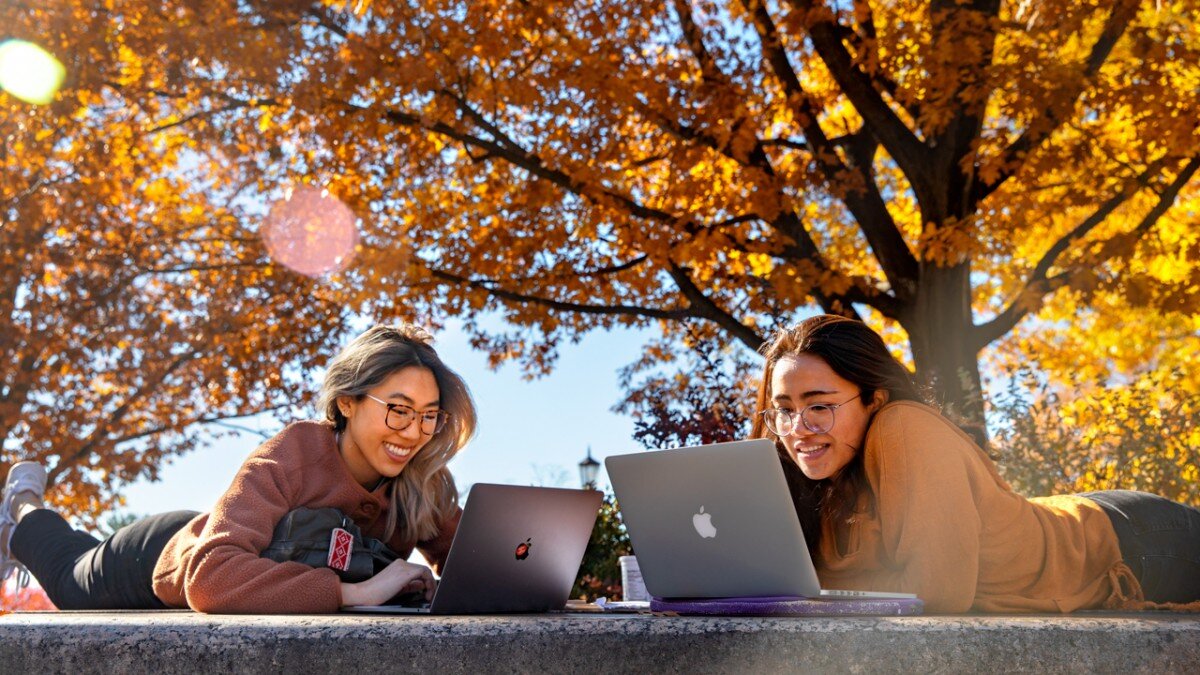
[517, 549]
[716, 521]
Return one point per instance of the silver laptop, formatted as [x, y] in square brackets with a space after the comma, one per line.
[517, 549]
[716, 521]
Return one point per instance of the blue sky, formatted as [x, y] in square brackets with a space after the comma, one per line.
[530, 432]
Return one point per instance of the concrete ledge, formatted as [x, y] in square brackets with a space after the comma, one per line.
[184, 642]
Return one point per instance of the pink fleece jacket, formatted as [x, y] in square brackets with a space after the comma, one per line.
[213, 564]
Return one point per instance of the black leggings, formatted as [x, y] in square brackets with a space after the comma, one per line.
[1160, 541]
[78, 571]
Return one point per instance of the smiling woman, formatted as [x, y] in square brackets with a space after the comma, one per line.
[400, 415]
[894, 497]
[385, 443]
[395, 416]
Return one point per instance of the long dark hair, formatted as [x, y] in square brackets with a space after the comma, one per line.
[859, 355]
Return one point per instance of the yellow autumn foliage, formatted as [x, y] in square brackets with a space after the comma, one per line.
[986, 183]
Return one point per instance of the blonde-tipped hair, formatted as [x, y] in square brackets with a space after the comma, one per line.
[423, 495]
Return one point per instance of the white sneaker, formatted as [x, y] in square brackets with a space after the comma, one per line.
[22, 477]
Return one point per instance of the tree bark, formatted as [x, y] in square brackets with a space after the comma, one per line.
[939, 329]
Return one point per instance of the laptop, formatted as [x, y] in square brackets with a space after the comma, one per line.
[717, 521]
[517, 549]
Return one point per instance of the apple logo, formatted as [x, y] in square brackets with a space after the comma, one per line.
[523, 549]
[703, 523]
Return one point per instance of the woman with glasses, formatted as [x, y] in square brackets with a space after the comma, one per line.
[395, 415]
[895, 497]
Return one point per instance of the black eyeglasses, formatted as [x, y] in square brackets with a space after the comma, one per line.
[400, 417]
[817, 418]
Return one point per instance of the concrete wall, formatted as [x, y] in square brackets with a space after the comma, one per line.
[183, 642]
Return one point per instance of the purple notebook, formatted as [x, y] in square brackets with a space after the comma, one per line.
[781, 605]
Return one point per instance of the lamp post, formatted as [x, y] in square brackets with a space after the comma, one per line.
[588, 469]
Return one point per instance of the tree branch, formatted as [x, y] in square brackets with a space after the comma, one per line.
[1039, 284]
[36, 182]
[102, 427]
[694, 38]
[736, 220]
[613, 269]
[1013, 157]
[684, 132]
[868, 40]
[250, 264]
[953, 146]
[219, 420]
[586, 274]
[703, 307]
[1167, 197]
[787, 143]
[523, 298]
[901, 143]
[508, 150]
[864, 201]
[197, 115]
[325, 18]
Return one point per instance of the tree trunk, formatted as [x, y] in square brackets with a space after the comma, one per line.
[938, 326]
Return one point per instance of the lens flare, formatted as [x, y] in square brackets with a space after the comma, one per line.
[311, 232]
[29, 72]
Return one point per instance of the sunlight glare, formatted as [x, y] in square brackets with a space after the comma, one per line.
[29, 72]
[311, 232]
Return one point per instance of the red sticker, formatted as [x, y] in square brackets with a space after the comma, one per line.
[341, 543]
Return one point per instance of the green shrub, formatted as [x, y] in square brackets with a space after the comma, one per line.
[600, 572]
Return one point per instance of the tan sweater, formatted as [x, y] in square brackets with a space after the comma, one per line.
[213, 563]
[946, 527]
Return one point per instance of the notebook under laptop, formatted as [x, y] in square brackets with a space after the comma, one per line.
[716, 521]
[517, 549]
